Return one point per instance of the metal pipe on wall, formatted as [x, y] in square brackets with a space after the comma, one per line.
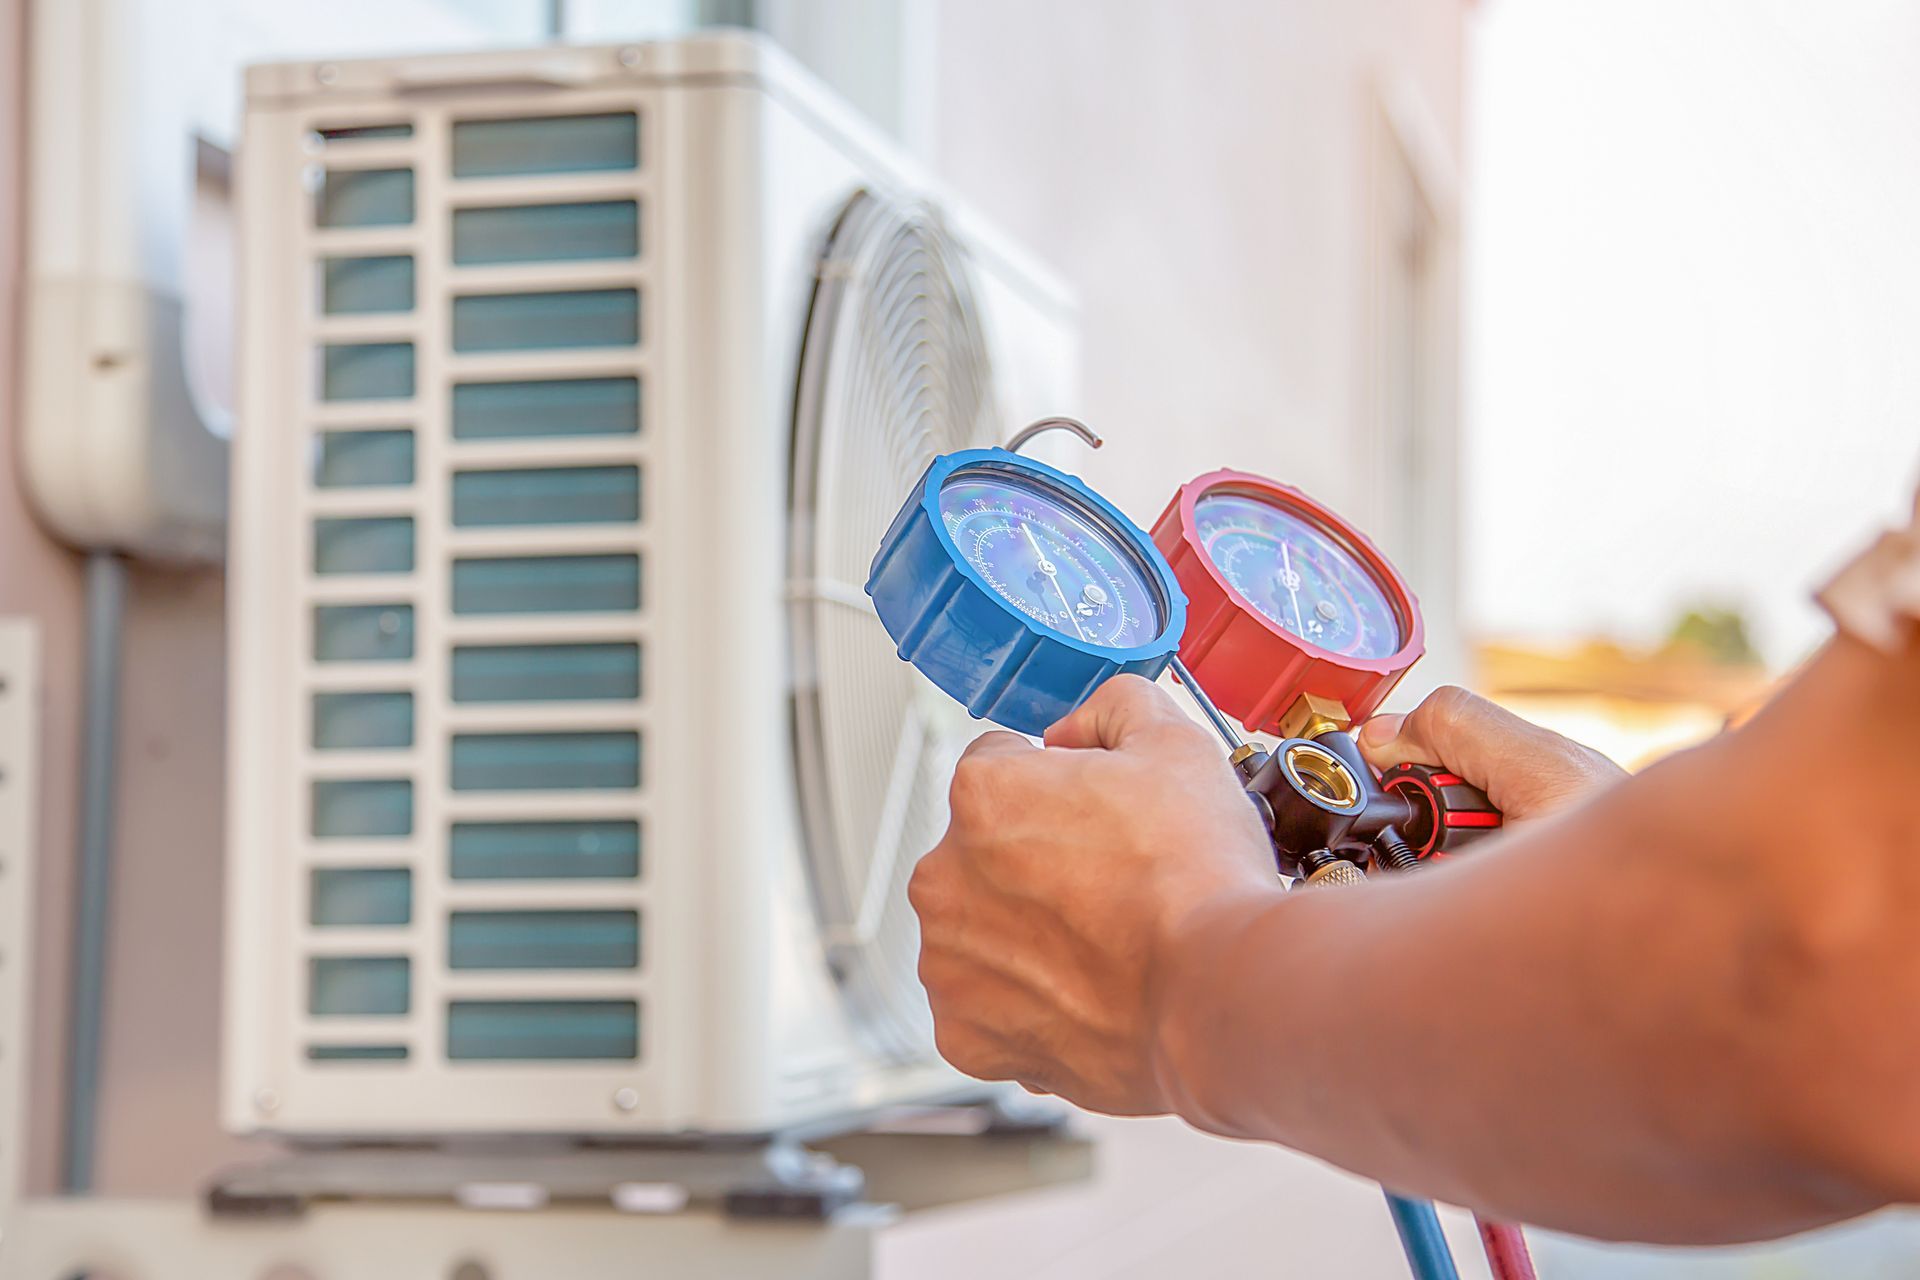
[106, 593]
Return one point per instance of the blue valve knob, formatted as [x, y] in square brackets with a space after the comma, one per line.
[1017, 589]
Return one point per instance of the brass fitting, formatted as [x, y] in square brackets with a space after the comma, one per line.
[1311, 715]
[1322, 775]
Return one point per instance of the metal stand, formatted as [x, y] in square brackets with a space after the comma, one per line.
[917, 1158]
[175, 1240]
[749, 1209]
[777, 1179]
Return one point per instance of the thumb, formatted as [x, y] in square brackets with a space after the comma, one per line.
[1379, 731]
[1524, 769]
[1462, 731]
[1118, 709]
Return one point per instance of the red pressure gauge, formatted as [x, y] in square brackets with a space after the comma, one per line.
[1295, 620]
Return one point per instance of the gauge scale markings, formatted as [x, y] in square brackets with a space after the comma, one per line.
[1049, 561]
[1297, 576]
[1017, 590]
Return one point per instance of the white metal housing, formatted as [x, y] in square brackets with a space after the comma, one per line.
[122, 434]
[113, 444]
[413, 536]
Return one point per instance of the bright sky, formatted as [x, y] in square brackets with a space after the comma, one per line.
[1693, 306]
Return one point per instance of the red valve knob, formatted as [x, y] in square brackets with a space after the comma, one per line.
[1254, 668]
[1448, 813]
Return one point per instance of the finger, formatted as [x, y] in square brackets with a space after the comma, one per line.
[997, 742]
[1380, 730]
[1464, 732]
[970, 1052]
[1122, 706]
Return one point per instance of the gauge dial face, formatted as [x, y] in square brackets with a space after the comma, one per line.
[1299, 575]
[1052, 559]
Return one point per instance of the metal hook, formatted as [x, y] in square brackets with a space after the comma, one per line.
[1074, 425]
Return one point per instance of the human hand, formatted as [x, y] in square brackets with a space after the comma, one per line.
[1055, 912]
[1525, 770]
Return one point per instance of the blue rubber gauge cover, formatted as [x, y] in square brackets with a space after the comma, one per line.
[1017, 589]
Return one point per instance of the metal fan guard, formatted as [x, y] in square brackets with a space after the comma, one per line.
[894, 369]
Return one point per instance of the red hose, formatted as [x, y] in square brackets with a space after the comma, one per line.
[1507, 1255]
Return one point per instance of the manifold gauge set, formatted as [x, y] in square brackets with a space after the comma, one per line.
[1017, 590]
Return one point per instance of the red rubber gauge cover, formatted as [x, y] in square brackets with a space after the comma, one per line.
[1253, 668]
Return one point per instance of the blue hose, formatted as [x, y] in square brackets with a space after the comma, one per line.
[1419, 1226]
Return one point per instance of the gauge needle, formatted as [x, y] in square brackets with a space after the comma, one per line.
[1046, 567]
[1292, 580]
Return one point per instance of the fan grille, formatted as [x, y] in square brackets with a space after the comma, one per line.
[894, 370]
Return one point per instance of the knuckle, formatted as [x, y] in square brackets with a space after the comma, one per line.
[973, 782]
[1128, 692]
[1598, 767]
[1449, 703]
[1191, 735]
[930, 970]
[984, 772]
[962, 1047]
[993, 744]
[1179, 736]
[923, 889]
[937, 888]
[1145, 694]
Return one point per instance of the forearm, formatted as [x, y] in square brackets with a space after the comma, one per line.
[1628, 1021]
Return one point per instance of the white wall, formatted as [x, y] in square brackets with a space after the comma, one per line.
[1199, 171]
[1693, 304]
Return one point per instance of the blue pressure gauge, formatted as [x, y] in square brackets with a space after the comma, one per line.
[1017, 589]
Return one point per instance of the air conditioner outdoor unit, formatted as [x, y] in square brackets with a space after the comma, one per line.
[574, 785]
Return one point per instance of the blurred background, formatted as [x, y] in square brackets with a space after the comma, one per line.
[1598, 317]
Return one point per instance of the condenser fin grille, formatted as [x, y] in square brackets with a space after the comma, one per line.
[466, 529]
[544, 940]
[545, 851]
[548, 495]
[546, 321]
[366, 371]
[366, 286]
[584, 232]
[361, 897]
[551, 407]
[543, 1030]
[546, 673]
[549, 144]
[366, 198]
[364, 459]
[547, 584]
